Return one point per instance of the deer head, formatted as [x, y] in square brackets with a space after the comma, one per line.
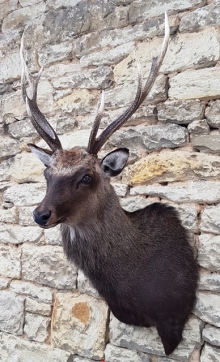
[77, 182]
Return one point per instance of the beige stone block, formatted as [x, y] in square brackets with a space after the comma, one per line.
[15, 234]
[40, 292]
[24, 194]
[11, 312]
[10, 261]
[169, 166]
[207, 307]
[79, 98]
[193, 84]
[35, 306]
[36, 327]
[79, 324]
[27, 168]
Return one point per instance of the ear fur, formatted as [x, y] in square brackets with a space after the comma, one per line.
[114, 162]
[43, 155]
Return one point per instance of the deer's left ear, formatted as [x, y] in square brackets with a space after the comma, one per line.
[114, 162]
[43, 155]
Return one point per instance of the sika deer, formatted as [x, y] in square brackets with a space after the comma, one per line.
[140, 262]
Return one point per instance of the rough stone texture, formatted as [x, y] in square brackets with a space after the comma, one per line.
[115, 354]
[75, 321]
[207, 143]
[26, 216]
[34, 306]
[210, 219]
[210, 353]
[134, 203]
[10, 261]
[23, 195]
[27, 168]
[211, 335]
[53, 236]
[209, 281]
[213, 114]
[181, 112]
[8, 147]
[85, 286]
[208, 308]
[199, 127]
[4, 282]
[35, 327]
[16, 235]
[8, 215]
[11, 312]
[47, 265]
[147, 339]
[208, 254]
[39, 292]
[169, 166]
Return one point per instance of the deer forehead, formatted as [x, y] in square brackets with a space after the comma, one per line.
[66, 162]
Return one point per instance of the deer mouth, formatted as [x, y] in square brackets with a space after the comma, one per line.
[52, 225]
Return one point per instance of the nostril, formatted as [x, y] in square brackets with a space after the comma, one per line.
[41, 218]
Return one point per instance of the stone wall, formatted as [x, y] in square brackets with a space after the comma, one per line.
[48, 310]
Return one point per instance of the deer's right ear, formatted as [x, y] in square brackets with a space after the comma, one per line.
[114, 162]
[43, 155]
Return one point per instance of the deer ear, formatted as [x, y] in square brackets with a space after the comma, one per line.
[43, 155]
[114, 162]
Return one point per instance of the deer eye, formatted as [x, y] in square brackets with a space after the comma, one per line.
[86, 179]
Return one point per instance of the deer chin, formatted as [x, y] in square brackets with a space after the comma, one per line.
[52, 225]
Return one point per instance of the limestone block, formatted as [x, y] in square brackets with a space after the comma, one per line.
[13, 105]
[181, 112]
[34, 306]
[209, 281]
[85, 286]
[152, 137]
[5, 168]
[187, 214]
[35, 327]
[210, 353]
[10, 66]
[15, 234]
[76, 358]
[19, 349]
[47, 265]
[77, 138]
[21, 128]
[40, 292]
[192, 84]
[115, 354]
[74, 327]
[213, 114]
[24, 195]
[108, 57]
[28, 2]
[53, 236]
[4, 282]
[207, 307]
[208, 253]
[56, 4]
[147, 340]
[12, 312]
[5, 9]
[170, 166]
[200, 18]
[8, 215]
[8, 147]
[199, 127]
[19, 18]
[210, 219]
[120, 189]
[191, 191]
[10, 263]
[51, 53]
[211, 335]
[77, 100]
[27, 168]
[134, 203]
[26, 216]
[139, 10]
[207, 143]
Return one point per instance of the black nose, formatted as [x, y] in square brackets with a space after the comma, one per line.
[41, 218]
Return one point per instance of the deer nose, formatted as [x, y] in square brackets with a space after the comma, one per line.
[41, 218]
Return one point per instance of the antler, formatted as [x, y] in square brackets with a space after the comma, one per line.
[141, 94]
[38, 120]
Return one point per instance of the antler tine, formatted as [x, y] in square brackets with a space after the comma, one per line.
[141, 93]
[38, 120]
[96, 123]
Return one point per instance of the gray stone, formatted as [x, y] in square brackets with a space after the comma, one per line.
[147, 340]
[74, 324]
[210, 353]
[11, 312]
[199, 127]
[140, 10]
[10, 261]
[200, 18]
[24, 195]
[181, 112]
[56, 4]
[120, 189]
[12, 105]
[18, 349]
[53, 236]
[85, 286]
[208, 253]
[8, 147]
[47, 265]
[212, 113]
[209, 281]
[34, 306]
[26, 216]
[207, 307]
[10, 67]
[5, 9]
[21, 128]
[115, 354]
[210, 219]
[35, 327]
[15, 234]
[192, 191]
[52, 53]
[40, 292]
[8, 215]
[211, 335]
[193, 84]
[4, 282]
[134, 203]
[207, 143]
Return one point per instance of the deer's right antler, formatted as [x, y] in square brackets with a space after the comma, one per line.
[38, 120]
